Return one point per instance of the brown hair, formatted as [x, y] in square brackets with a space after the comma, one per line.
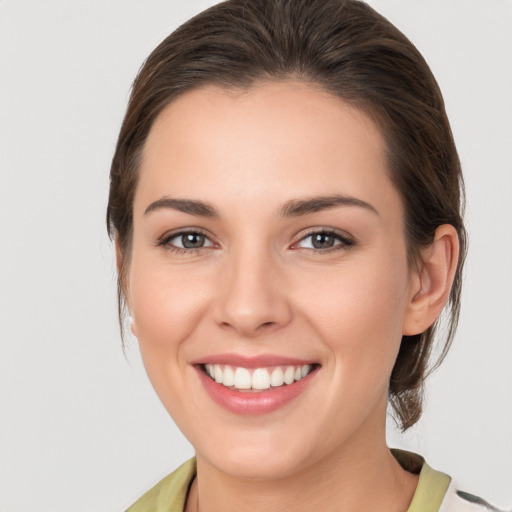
[351, 51]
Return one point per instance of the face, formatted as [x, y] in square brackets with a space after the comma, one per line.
[268, 280]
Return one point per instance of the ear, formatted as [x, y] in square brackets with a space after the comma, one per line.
[123, 281]
[431, 284]
[119, 257]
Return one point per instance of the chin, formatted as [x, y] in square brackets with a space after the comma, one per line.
[258, 465]
[262, 456]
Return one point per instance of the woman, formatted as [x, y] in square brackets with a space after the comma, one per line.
[286, 203]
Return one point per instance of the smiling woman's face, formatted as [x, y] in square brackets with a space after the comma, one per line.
[268, 250]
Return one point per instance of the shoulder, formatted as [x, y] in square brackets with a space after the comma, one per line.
[436, 491]
[457, 500]
[170, 494]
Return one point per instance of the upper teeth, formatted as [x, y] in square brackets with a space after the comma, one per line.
[256, 378]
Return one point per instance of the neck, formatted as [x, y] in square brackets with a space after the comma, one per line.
[362, 476]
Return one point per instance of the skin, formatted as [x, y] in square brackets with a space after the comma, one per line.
[259, 287]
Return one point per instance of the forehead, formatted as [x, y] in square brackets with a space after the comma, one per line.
[275, 140]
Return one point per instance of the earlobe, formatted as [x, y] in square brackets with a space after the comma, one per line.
[431, 285]
[131, 323]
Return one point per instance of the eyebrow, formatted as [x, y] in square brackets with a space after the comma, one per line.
[292, 208]
[297, 207]
[183, 205]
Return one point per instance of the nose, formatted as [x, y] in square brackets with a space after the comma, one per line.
[252, 298]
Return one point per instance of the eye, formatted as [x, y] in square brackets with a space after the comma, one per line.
[324, 241]
[186, 241]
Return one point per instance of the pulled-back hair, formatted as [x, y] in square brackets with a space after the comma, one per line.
[349, 50]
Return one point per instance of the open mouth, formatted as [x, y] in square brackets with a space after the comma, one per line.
[257, 379]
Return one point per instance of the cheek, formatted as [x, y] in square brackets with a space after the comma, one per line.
[359, 313]
[164, 313]
[166, 308]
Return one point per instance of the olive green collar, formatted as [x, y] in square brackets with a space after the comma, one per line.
[432, 484]
[170, 494]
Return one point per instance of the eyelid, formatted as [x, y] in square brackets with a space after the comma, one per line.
[347, 240]
[164, 240]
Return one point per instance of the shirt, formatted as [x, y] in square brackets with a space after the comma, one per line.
[436, 492]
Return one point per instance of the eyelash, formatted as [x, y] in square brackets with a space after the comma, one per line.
[165, 242]
[345, 241]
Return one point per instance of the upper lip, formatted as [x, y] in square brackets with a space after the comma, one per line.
[259, 361]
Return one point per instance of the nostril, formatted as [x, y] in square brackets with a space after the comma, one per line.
[266, 326]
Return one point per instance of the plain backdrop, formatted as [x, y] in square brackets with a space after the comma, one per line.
[81, 428]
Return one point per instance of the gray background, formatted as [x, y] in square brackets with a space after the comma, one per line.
[80, 426]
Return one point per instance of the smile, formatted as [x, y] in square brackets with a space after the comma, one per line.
[255, 386]
[256, 379]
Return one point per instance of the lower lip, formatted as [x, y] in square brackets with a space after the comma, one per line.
[253, 403]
